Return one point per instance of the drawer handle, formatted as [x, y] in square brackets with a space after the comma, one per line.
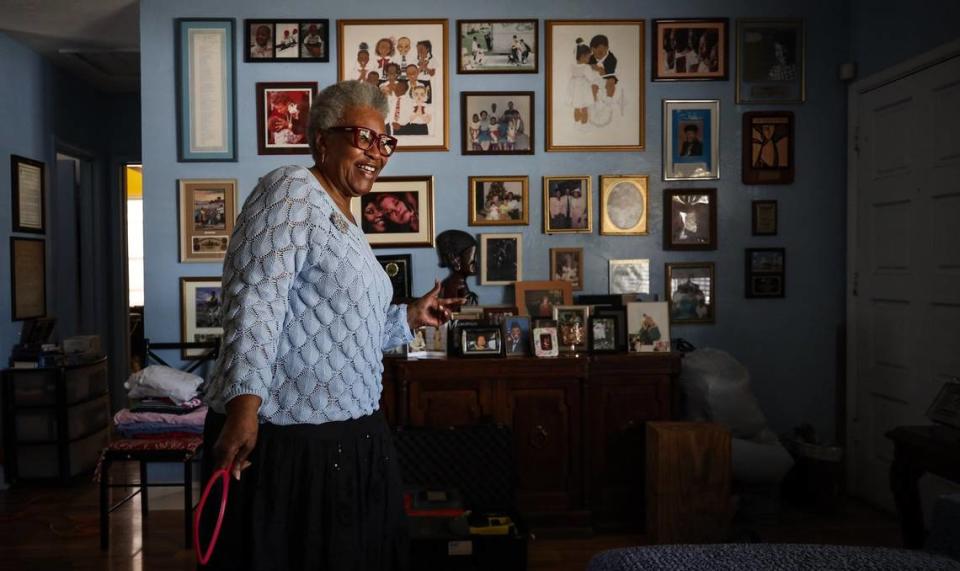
[539, 436]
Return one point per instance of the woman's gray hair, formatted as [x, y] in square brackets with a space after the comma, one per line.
[329, 105]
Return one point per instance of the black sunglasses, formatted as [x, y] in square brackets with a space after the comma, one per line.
[364, 139]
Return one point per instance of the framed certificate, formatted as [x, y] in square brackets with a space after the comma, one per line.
[28, 275]
[27, 178]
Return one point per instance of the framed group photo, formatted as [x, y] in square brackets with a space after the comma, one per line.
[567, 205]
[201, 320]
[399, 269]
[690, 219]
[691, 139]
[689, 50]
[286, 41]
[623, 205]
[501, 258]
[208, 211]
[283, 113]
[768, 147]
[497, 122]
[397, 212]
[691, 288]
[499, 201]
[497, 46]
[538, 298]
[27, 188]
[567, 264]
[766, 270]
[770, 61]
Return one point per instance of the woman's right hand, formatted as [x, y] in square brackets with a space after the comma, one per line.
[239, 434]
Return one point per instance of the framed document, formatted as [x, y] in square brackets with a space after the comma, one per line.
[29, 278]
[27, 189]
[208, 211]
[206, 90]
[770, 61]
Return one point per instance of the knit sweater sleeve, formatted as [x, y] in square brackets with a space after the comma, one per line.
[396, 330]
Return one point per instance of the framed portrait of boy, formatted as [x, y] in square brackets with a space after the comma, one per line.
[689, 49]
[623, 205]
[538, 298]
[481, 341]
[567, 264]
[498, 46]
[648, 327]
[201, 303]
[286, 41]
[771, 65]
[603, 334]
[407, 60]
[766, 270]
[399, 269]
[283, 112]
[497, 122]
[501, 258]
[691, 292]
[763, 217]
[691, 139]
[595, 85]
[567, 205]
[499, 201]
[768, 147]
[208, 212]
[397, 212]
[516, 336]
[690, 219]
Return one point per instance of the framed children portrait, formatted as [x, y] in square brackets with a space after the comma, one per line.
[629, 276]
[537, 298]
[764, 217]
[501, 258]
[286, 41]
[595, 85]
[567, 264]
[208, 212]
[399, 269]
[623, 205]
[481, 341]
[691, 293]
[201, 303]
[407, 60]
[766, 272]
[498, 46]
[516, 335]
[648, 327]
[689, 50]
[603, 334]
[283, 112]
[768, 147]
[691, 139]
[771, 66]
[497, 122]
[567, 205]
[690, 219]
[499, 201]
[397, 212]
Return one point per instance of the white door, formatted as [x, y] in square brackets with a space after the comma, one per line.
[903, 258]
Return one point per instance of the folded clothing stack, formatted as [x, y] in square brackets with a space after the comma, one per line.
[158, 424]
[165, 404]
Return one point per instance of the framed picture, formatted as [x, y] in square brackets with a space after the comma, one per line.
[545, 341]
[494, 315]
[28, 277]
[398, 352]
[537, 298]
[208, 212]
[690, 219]
[497, 122]
[572, 327]
[397, 212]
[691, 293]
[27, 185]
[648, 327]
[516, 336]
[766, 272]
[595, 82]
[764, 217]
[567, 205]
[691, 139]
[498, 46]
[623, 205]
[499, 201]
[629, 276]
[428, 342]
[201, 302]
[603, 299]
[283, 112]
[399, 269]
[288, 41]
[482, 341]
[407, 59]
[945, 408]
[501, 258]
[619, 314]
[770, 61]
[603, 334]
[768, 147]
[567, 264]
[689, 50]
[206, 89]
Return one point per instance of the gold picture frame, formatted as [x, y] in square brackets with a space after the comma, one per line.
[490, 205]
[624, 201]
[207, 215]
[576, 218]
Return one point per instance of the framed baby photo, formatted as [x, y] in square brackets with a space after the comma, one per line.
[283, 112]
[481, 341]
[648, 327]
[770, 61]
[516, 336]
[397, 212]
[690, 291]
[499, 201]
[689, 50]
[690, 219]
[572, 327]
[498, 46]
[629, 276]
[567, 205]
[501, 258]
[603, 334]
[399, 269]
[497, 122]
[691, 139]
[623, 205]
[286, 41]
[201, 302]
[545, 341]
[207, 213]
[766, 272]
[566, 264]
[407, 60]
[595, 85]
[763, 217]
[538, 298]
[768, 147]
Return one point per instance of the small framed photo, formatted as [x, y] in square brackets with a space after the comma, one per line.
[201, 303]
[29, 203]
[770, 61]
[945, 408]
[538, 298]
[286, 41]
[764, 217]
[208, 212]
[689, 50]
[691, 139]
[619, 314]
[499, 201]
[692, 216]
[567, 264]
[428, 342]
[572, 327]
[398, 352]
[691, 293]
[648, 326]
[282, 117]
[481, 341]
[766, 270]
[629, 276]
[768, 147]
[567, 205]
[623, 205]
[501, 258]
[399, 269]
[516, 335]
[545, 343]
[28, 278]
[497, 122]
[603, 334]
[397, 212]
[494, 315]
[498, 46]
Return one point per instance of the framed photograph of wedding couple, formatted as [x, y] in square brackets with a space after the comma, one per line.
[399, 269]
[567, 205]
[201, 304]
[497, 122]
[691, 292]
[27, 180]
[498, 46]
[766, 270]
[623, 205]
[283, 113]
[407, 60]
[567, 264]
[689, 50]
[771, 66]
[501, 258]
[691, 139]
[207, 212]
[287, 41]
[397, 212]
[768, 147]
[206, 88]
[595, 85]
[690, 219]
[499, 201]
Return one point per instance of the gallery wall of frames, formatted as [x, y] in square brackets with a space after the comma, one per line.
[655, 152]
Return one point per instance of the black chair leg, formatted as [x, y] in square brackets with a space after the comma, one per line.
[105, 505]
[144, 495]
[188, 503]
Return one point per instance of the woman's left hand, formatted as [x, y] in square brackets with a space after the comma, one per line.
[431, 310]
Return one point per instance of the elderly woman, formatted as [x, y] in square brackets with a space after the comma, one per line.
[295, 393]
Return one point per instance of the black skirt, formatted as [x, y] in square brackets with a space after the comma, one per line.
[316, 497]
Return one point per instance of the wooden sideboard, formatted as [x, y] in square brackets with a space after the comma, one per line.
[577, 423]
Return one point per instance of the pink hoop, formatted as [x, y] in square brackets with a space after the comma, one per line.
[221, 474]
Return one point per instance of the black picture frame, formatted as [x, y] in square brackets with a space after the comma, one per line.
[766, 272]
[592, 340]
[476, 332]
[620, 313]
[468, 144]
[16, 186]
[301, 24]
[399, 268]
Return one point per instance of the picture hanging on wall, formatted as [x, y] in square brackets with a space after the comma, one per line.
[595, 82]
[208, 211]
[691, 139]
[286, 41]
[498, 46]
[629, 276]
[690, 219]
[27, 178]
[623, 205]
[567, 264]
[497, 122]
[766, 270]
[501, 258]
[691, 292]
[498, 201]
[764, 217]
[397, 212]
[28, 278]
[770, 61]
[768, 147]
[567, 205]
[399, 269]
[201, 304]
[689, 49]
[283, 112]
[407, 60]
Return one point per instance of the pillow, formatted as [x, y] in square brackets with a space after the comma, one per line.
[161, 381]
